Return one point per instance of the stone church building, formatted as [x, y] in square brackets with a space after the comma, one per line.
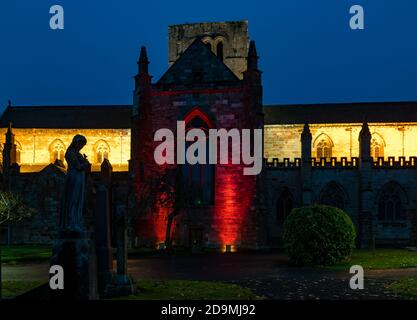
[360, 157]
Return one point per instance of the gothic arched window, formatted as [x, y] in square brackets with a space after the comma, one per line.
[323, 146]
[102, 151]
[199, 177]
[219, 50]
[57, 150]
[285, 204]
[333, 195]
[377, 146]
[391, 203]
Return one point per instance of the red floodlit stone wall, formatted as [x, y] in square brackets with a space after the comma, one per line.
[227, 221]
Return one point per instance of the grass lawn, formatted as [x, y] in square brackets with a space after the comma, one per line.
[380, 259]
[190, 290]
[25, 253]
[406, 288]
[15, 288]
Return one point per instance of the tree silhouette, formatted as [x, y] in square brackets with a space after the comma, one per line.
[164, 189]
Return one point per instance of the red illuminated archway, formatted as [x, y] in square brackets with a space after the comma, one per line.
[197, 112]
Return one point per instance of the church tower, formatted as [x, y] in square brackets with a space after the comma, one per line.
[229, 41]
[213, 83]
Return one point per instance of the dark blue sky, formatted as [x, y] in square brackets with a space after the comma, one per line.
[308, 52]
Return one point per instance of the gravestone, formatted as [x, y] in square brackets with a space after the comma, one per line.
[122, 284]
[102, 238]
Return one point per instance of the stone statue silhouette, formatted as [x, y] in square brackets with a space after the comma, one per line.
[74, 194]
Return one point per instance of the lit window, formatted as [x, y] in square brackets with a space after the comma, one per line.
[57, 150]
[102, 151]
[323, 146]
[377, 147]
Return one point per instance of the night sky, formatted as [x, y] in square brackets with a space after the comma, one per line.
[308, 52]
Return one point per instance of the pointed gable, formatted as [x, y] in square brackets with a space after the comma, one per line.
[52, 169]
[198, 64]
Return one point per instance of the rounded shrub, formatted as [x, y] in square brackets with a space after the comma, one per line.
[318, 235]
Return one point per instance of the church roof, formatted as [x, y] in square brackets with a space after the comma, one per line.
[118, 116]
[198, 64]
[375, 112]
[68, 117]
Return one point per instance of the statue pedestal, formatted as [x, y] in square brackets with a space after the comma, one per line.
[72, 252]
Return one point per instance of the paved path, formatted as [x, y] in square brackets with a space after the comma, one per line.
[266, 274]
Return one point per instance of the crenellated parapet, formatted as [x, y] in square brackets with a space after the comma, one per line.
[342, 163]
[335, 163]
[395, 163]
[282, 164]
[332, 163]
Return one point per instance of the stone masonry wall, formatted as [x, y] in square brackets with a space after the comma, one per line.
[234, 192]
[233, 35]
[35, 146]
[398, 139]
